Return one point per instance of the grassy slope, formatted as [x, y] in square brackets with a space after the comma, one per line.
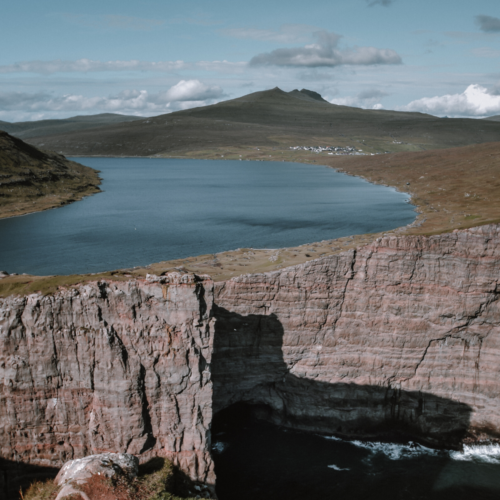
[274, 118]
[41, 128]
[32, 180]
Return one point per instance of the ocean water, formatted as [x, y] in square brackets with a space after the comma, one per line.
[259, 460]
[152, 210]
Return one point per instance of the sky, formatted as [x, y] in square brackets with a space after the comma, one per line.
[61, 59]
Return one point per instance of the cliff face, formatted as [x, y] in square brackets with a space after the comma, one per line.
[107, 367]
[403, 334]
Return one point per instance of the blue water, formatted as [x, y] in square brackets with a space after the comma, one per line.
[153, 210]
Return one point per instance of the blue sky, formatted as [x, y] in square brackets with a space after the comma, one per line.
[146, 58]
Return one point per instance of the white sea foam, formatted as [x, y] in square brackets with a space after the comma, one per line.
[219, 447]
[332, 438]
[489, 453]
[393, 451]
[334, 467]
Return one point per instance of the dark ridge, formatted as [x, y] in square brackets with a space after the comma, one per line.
[42, 128]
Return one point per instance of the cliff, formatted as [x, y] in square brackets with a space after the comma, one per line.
[105, 367]
[33, 180]
[402, 335]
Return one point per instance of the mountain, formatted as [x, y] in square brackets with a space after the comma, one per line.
[33, 180]
[495, 118]
[273, 118]
[307, 95]
[41, 128]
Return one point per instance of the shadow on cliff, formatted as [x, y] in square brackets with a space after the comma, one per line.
[15, 476]
[252, 380]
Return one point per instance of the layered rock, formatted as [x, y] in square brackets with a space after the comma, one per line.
[118, 366]
[403, 334]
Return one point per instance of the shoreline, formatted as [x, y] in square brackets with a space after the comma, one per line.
[404, 173]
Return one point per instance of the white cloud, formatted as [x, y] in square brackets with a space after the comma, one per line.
[324, 53]
[89, 66]
[288, 33]
[367, 99]
[485, 52]
[475, 101]
[183, 95]
[192, 90]
[221, 66]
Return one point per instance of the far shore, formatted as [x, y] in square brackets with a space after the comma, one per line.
[451, 189]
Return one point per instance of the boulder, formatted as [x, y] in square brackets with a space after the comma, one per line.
[81, 470]
[105, 464]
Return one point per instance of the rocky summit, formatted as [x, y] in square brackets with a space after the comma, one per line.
[399, 336]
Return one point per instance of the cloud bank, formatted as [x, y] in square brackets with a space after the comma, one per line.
[288, 33]
[475, 101]
[325, 53]
[90, 66]
[488, 24]
[183, 95]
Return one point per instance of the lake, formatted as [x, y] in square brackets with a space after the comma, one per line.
[153, 210]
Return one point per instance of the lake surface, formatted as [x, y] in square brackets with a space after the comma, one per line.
[153, 210]
[259, 460]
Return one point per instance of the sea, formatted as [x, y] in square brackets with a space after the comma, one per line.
[257, 460]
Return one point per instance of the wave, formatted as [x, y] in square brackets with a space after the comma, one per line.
[218, 447]
[334, 467]
[486, 453]
[393, 451]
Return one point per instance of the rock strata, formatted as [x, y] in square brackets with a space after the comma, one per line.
[400, 335]
[108, 367]
[403, 334]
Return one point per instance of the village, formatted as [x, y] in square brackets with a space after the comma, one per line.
[331, 150]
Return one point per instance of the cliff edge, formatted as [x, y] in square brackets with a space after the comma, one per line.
[399, 336]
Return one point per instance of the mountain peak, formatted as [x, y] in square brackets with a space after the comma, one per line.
[307, 95]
